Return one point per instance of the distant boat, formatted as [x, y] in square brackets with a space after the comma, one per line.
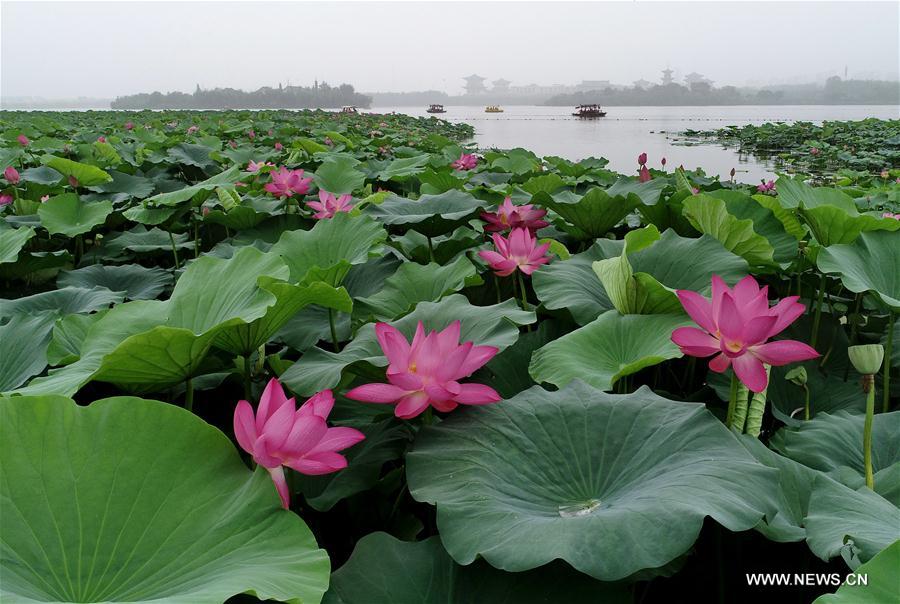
[589, 111]
[349, 109]
[436, 109]
[493, 109]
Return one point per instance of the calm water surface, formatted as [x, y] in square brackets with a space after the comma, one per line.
[628, 131]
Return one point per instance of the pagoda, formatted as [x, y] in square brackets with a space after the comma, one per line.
[475, 84]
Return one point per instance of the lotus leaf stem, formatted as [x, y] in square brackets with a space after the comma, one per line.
[174, 251]
[888, 351]
[333, 326]
[818, 317]
[740, 409]
[732, 399]
[756, 411]
[869, 387]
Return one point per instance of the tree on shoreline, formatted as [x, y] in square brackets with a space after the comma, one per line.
[282, 97]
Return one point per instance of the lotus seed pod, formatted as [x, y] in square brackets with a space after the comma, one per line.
[867, 358]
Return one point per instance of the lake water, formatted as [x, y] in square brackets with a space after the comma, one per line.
[628, 131]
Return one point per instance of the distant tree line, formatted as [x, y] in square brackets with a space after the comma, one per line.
[282, 97]
[835, 92]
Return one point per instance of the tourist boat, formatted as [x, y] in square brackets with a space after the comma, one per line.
[493, 109]
[349, 109]
[436, 109]
[589, 111]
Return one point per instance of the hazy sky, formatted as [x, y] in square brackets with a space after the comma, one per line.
[64, 50]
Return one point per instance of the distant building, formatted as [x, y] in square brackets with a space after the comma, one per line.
[500, 85]
[475, 84]
[667, 77]
[535, 89]
[696, 78]
[587, 85]
[642, 84]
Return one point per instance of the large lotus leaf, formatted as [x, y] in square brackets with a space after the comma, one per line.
[794, 193]
[518, 161]
[711, 216]
[507, 373]
[414, 283]
[65, 301]
[86, 174]
[881, 586]
[853, 524]
[135, 500]
[430, 215]
[242, 339]
[68, 337]
[138, 187]
[140, 239]
[403, 167]
[41, 176]
[191, 155]
[146, 215]
[12, 241]
[571, 284]
[67, 215]
[444, 248]
[832, 225]
[102, 337]
[495, 325]
[548, 183]
[592, 215]
[23, 348]
[649, 192]
[765, 222]
[786, 215]
[611, 347]
[136, 281]
[576, 474]
[328, 250]
[339, 175]
[871, 263]
[172, 198]
[385, 441]
[830, 443]
[430, 576]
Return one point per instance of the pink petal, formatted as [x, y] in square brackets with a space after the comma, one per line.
[281, 486]
[782, 352]
[729, 321]
[746, 290]
[719, 289]
[476, 394]
[477, 357]
[411, 405]
[695, 342]
[376, 393]
[305, 434]
[698, 308]
[442, 392]
[321, 463]
[319, 404]
[492, 257]
[719, 363]
[787, 310]
[750, 371]
[245, 426]
[393, 343]
[272, 398]
[336, 439]
[278, 426]
[444, 406]
[757, 330]
[405, 380]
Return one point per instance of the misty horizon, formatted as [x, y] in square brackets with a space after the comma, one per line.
[367, 45]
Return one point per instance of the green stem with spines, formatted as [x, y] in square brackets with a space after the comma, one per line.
[818, 316]
[333, 326]
[888, 351]
[732, 399]
[867, 430]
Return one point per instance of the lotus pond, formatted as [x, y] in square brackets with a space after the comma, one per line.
[320, 357]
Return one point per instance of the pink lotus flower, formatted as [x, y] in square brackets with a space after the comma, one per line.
[814, 151]
[328, 205]
[520, 251]
[663, 161]
[5, 200]
[279, 146]
[286, 183]
[192, 129]
[329, 142]
[766, 187]
[73, 182]
[885, 174]
[101, 139]
[251, 134]
[510, 216]
[256, 167]
[889, 215]
[232, 144]
[12, 175]
[427, 371]
[735, 326]
[642, 159]
[23, 140]
[44, 198]
[129, 125]
[644, 175]
[205, 211]
[271, 132]
[466, 161]
[278, 435]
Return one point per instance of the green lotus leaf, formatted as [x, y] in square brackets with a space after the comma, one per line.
[86, 174]
[138, 187]
[12, 241]
[881, 586]
[434, 182]
[832, 225]
[23, 348]
[68, 337]
[871, 263]
[239, 218]
[141, 239]
[167, 512]
[42, 175]
[517, 161]
[711, 216]
[611, 347]
[172, 198]
[786, 215]
[403, 167]
[444, 248]
[574, 474]
[572, 285]
[794, 193]
[548, 183]
[495, 325]
[430, 576]
[137, 282]
[649, 192]
[65, 301]
[328, 250]
[430, 215]
[853, 524]
[765, 222]
[385, 441]
[414, 283]
[591, 215]
[191, 155]
[143, 214]
[68, 215]
[832, 443]
[339, 175]
[507, 373]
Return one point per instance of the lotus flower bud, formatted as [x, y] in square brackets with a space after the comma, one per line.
[797, 376]
[642, 159]
[866, 358]
[663, 160]
[12, 175]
